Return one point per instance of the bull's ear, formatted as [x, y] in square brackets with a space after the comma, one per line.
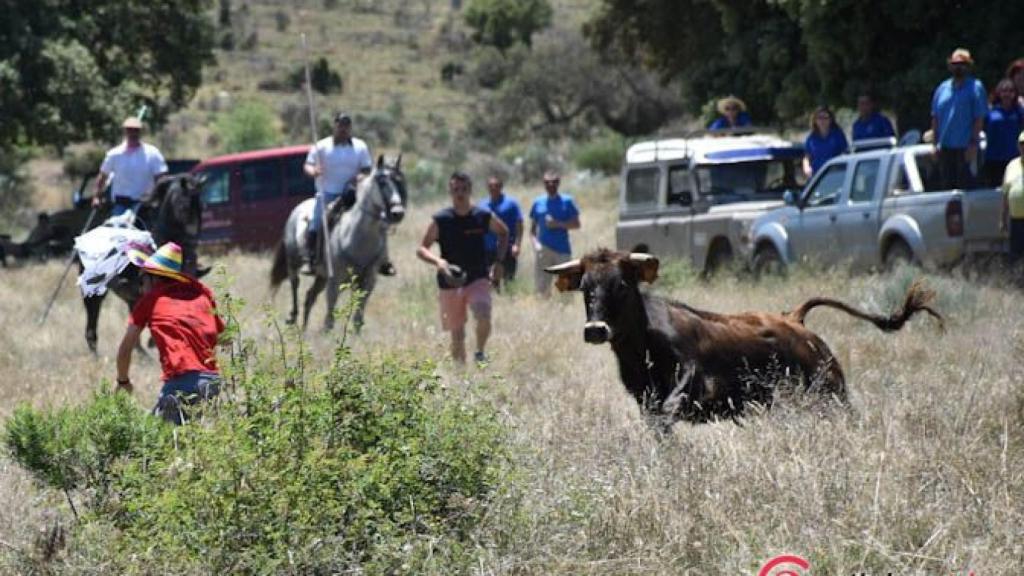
[569, 275]
[646, 266]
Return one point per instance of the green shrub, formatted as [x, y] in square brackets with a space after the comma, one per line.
[375, 469]
[427, 178]
[321, 78]
[531, 160]
[503, 23]
[248, 126]
[603, 154]
[378, 128]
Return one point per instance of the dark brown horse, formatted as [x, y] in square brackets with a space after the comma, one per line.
[173, 213]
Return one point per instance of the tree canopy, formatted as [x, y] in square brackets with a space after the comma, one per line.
[783, 57]
[70, 70]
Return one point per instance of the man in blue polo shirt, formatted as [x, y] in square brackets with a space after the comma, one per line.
[959, 106]
[506, 208]
[870, 123]
[551, 218]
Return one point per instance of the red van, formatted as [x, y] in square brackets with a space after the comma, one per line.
[248, 196]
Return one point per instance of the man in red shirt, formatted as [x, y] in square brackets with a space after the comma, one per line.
[182, 317]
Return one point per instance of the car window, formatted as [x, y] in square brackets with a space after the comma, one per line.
[296, 182]
[865, 178]
[261, 180]
[217, 187]
[826, 190]
[642, 188]
[679, 182]
[900, 181]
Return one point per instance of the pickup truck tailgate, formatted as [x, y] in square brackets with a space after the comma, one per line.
[982, 211]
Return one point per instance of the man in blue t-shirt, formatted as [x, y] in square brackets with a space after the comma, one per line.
[551, 218]
[506, 208]
[870, 123]
[959, 106]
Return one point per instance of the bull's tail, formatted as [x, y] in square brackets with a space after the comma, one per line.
[919, 299]
[279, 272]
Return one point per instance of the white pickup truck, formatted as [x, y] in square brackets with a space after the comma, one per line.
[873, 209]
[695, 198]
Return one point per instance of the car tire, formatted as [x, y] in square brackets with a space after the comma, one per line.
[719, 258]
[768, 262]
[898, 254]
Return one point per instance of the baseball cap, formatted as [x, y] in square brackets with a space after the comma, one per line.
[342, 117]
[132, 122]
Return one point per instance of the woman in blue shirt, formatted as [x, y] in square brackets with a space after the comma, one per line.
[733, 114]
[1003, 124]
[825, 142]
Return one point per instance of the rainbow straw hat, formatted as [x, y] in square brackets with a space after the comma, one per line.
[166, 261]
[138, 253]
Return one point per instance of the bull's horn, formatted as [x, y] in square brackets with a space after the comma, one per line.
[640, 258]
[564, 267]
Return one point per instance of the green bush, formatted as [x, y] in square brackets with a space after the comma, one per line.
[375, 469]
[503, 23]
[321, 78]
[248, 126]
[531, 160]
[427, 178]
[603, 154]
[378, 128]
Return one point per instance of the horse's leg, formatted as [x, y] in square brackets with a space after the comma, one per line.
[293, 279]
[367, 282]
[93, 304]
[311, 294]
[333, 288]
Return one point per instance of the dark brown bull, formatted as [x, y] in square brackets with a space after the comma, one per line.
[694, 365]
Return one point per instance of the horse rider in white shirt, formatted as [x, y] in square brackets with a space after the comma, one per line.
[338, 162]
[132, 168]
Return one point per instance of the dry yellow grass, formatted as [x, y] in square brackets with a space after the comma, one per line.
[925, 475]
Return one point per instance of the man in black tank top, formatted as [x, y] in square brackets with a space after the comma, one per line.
[462, 275]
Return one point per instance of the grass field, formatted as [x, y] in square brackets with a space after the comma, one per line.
[924, 475]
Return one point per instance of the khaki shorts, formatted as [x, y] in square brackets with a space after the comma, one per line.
[544, 258]
[455, 301]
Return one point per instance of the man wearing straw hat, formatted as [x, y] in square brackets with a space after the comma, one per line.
[959, 106]
[181, 314]
[133, 167]
[732, 114]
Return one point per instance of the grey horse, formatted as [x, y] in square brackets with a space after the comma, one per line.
[358, 241]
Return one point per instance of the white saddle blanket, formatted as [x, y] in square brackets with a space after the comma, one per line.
[104, 252]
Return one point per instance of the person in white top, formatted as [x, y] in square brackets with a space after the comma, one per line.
[132, 168]
[337, 163]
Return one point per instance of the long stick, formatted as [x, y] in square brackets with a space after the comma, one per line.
[67, 267]
[319, 181]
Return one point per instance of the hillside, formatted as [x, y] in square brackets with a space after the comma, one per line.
[389, 53]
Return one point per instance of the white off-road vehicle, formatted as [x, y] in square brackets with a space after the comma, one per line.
[695, 197]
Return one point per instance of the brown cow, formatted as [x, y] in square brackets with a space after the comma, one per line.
[694, 365]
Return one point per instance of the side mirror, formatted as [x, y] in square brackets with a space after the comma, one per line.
[788, 198]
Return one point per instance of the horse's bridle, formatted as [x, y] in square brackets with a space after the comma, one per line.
[382, 178]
